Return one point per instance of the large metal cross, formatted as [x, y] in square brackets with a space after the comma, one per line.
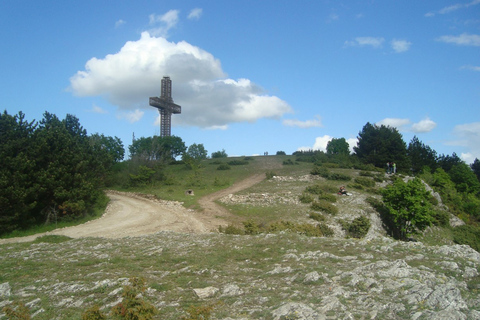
[165, 107]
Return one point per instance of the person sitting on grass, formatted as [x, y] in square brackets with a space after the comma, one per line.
[342, 191]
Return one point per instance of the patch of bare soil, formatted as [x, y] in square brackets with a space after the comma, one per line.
[131, 214]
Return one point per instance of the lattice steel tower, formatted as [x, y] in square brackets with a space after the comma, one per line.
[165, 107]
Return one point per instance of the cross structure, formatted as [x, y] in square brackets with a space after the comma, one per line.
[165, 107]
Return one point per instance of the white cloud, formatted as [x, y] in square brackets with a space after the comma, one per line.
[394, 122]
[320, 144]
[352, 142]
[161, 24]
[469, 137]
[453, 7]
[131, 116]
[195, 14]
[303, 124]
[119, 23]
[365, 41]
[97, 109]
[400, 45]
[425, 125]
[462, 40]
[473, 68]
[208, 99]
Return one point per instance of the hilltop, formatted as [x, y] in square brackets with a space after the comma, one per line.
[265, 276]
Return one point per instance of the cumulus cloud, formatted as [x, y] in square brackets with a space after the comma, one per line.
[208, 99]
[400, 45]
[464, 39]
[320, 144]
[303, 124]
[365, 41]
[131, 116]
[453, 7]
[469, 137]
[161, 24]
[394, 122]
[352, 142]
[425, 125]
[195, 14]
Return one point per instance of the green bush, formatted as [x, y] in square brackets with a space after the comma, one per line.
[198, 313]
[251, 227]
[237, 162]
[224, 166]
[325, 206]
[270, 174]
[306, 198]
[339, 176]
[317, 216]
[358, 228]
[320, 171]
[17, 311]
[248, 158]
[326, 230]
[364, 181]
[467, 234]
[52, 239]
[288, 162]
[94, 313]
[133, 306]
[441, 217]
[281, 153]
[231, 229]
[327, 197]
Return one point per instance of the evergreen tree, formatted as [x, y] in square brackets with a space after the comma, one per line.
[421, 155]
[381, 144]
[476, 168]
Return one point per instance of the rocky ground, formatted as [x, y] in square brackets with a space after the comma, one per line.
[275, 276]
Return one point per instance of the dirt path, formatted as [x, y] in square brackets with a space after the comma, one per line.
[130, 214]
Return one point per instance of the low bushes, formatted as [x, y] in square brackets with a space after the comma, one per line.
[358, 228]
[324, 206]
[252, 228]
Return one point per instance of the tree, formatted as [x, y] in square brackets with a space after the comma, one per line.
[464, 178]
[446, 162]
[219, 154]
[338, 146]
[476, 168]
[421, 155]
[381, 144]
[408, 205]
[197, 151]
[157, 148]
[112, 145]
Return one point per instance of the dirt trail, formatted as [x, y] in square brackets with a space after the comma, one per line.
[130, 214]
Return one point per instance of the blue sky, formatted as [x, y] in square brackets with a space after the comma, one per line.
[251, 76]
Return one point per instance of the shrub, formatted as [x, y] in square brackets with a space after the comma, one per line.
[327, 197]
[133, 306]
[248, 158]
[364, 181]
[224, 166]
[237, 162]
[467, 234]
[288, 162]
[198, 313]
[325, 206]
[251, 227]
[315, 189]
[326, 230]
[358, 228]
[281, 153]
[317, 216]
[219, 154]
[320, 171]
[339, 176]
[94, 313]
[270, 174]
[305, 198]
[17, 311]
[231, 229]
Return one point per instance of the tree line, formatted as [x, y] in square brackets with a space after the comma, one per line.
[50, 169]
[54, 169]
